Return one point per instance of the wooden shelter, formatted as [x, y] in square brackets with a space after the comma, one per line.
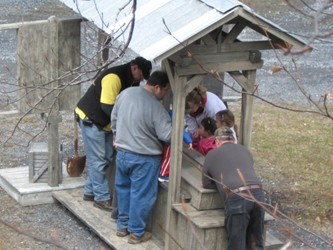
[205, 37]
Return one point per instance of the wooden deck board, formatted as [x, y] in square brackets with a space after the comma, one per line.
[15, 181]
[207, 219]
[98, 220]
[272, 242]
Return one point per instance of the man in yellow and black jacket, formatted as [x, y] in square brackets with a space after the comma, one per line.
[93, 113]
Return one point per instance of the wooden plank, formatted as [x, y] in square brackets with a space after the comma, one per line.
[176, 156]
[54, 177]
[15, 181]
[201, 219]
[40, 172]
[201, 198]
[48, 52]
[210, 223]
[271, 242]
[193, 176]
[175, 58]
[194, 69]
[206, 218]
[11, 26]
[169, 69]
[232, 47]
[69, 40]
[192, 83]
[236, 30]
[214, 58]
[195, 156]
[9, 113]
[246, 46]
[240, 79]
[208, 40]
[97, 220]
[231, 98]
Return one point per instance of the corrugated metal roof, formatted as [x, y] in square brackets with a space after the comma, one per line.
[188, 20]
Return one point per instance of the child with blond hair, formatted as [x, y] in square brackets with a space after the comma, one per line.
[227, 118]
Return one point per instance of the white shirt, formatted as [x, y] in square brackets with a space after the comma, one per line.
[213, 105]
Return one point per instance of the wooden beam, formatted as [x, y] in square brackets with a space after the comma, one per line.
[169, 69]
[54, 115]
[236, 46]
[217, 67]
[220, 39]
[240, 79]
[53, 150]
[233, 34]
[223, 57]
[176, 58]
[11, 26]
[176, 159]
[208, 40]
[246, 46]
[192, 83]
[247, 109]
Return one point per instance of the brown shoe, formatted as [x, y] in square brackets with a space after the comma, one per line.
[87, 197]
[104, 205]
[133, 239]
[122, 233]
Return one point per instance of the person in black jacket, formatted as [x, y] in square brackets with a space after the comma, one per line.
[93, 113]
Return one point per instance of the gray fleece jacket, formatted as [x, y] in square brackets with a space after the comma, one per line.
[140, 122]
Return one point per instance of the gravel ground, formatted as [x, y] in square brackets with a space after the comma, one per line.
[46, 221]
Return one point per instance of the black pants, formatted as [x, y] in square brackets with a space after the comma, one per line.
[244, 221]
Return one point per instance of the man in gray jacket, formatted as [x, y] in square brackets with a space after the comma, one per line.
[140, 124]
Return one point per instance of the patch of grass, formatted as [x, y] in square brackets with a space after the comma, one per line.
[293, 154]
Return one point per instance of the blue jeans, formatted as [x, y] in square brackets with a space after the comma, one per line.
[136, 186]
[98, 146]
[244, 221]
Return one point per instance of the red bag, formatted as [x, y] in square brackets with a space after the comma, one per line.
[165, 161]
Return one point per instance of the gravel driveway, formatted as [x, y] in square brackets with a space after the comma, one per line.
[45, 221]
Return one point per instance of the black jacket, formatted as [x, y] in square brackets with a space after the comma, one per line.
[90, 102]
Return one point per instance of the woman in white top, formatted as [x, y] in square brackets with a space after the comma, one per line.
[200, 104]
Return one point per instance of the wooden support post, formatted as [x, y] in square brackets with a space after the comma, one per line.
[176, 159]
[247, 109]
[54, 164]
[53, 115]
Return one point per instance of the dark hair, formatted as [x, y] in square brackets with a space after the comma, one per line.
[144, 65]
[209, 124]
[159, 78]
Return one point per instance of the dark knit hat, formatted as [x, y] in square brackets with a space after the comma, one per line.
[144, 65]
